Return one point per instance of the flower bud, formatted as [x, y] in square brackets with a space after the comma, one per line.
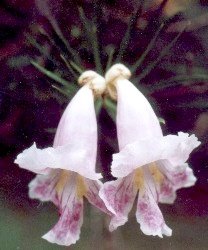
[95, 82]
[116, 72]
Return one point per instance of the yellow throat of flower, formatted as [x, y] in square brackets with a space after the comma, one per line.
[81, 186]
[139, 178]
[67, 176]
[155, 172]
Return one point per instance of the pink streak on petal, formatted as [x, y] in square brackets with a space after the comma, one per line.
[166, 192]
[136, 119]
[180, 176]
[67, 230]
[148, 213]
[175, 177]
[184, 179]
[119, 196]
[92, 194]
[42, 187]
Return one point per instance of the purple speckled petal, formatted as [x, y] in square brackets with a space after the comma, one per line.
[42, 187]
[148, 213]
[119, 196]
[92, 194]
[67, 229]
[180, 176]
[166, 191]
[175, 177]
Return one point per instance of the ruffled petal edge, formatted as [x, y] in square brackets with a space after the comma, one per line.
[175, 149]
[41, 161]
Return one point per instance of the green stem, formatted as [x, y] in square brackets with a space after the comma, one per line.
[69, 67]
[76, 67]
[53, 76]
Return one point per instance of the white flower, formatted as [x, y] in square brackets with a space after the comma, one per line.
[66, 171]
[148, 162]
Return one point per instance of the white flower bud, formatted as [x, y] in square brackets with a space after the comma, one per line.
[116, 72]
[95, 82]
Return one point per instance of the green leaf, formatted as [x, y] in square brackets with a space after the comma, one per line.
[69, 67]
[161, 120]
[54, 76]
[91, 33]
[76, 67]
[62, 91]
[51, 74]
[51, 130]
[98, 105]
[18, 61]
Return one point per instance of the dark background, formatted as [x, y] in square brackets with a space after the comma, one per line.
[173, 75]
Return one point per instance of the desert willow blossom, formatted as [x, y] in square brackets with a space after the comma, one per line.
[148, 162]
[66, 172]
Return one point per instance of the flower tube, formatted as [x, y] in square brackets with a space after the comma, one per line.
[66, 172]
[148, 163]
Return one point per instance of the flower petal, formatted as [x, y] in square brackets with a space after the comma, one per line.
[119, 196]
[67, 230]
[175, 177]
[166, 191]
[78, 129]
[175, 149]
[42, 187]
[148, 213]
[75, 144]
[36, 160]
[135, 116]
[92, 194]
[78, 121]
[62, 157]
[180, 176]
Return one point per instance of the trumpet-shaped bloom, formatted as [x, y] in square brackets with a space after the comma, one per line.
[66, 172]
[148, 162]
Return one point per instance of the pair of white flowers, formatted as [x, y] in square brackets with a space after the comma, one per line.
[148, 163]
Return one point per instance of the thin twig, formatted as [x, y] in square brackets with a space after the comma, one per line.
[69, 67]
[76, 67]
